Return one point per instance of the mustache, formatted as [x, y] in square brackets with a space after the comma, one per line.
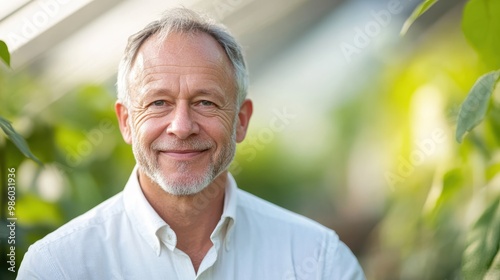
[187, 144]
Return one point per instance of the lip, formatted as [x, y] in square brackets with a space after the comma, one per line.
[183, 154]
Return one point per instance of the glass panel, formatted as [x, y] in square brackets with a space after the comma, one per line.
[10, 6]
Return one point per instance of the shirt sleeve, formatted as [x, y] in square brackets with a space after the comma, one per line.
[340, 262]
[37, 264]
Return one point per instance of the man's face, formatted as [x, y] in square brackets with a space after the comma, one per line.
[183, 121]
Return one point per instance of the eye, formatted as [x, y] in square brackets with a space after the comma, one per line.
[158, 103]
[206, 103]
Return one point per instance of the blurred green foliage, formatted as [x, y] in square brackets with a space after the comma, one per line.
[5, 125]
[442, 219]
[438, 215]
[77, 139]
[481, 26]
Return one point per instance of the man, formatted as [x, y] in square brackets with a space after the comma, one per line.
[182, 106]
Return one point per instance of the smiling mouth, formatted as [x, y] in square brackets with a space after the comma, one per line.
[183, 154]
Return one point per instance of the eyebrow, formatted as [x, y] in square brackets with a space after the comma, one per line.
[211, 91]
[154, 92]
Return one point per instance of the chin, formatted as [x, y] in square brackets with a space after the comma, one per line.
[183, 184]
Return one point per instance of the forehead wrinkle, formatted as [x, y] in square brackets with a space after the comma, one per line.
[217, 63]
[196, 44]
[183, 68]
[151, 76]
[197, 87]
[156, 83]
[173, 69]
[151, 87]
[191, 41]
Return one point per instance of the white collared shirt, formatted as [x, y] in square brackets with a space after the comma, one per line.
[124, 238]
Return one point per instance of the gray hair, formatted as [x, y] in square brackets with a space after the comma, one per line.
[183, 20]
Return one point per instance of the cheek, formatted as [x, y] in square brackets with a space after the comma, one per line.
[149, 130]
[220, 131]
[227, 121]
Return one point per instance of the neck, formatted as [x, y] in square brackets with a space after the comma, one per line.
[193, 218]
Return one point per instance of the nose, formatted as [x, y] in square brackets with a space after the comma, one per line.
[182, 124]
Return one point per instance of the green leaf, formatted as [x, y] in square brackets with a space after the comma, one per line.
[17, 139]
[480, 258]
[481, 26]
[494, 270]
[419, 10]
[473, 109]
[4, 53]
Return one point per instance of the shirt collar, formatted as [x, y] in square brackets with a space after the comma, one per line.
[149, 224]
[224, 228]
[142, 215]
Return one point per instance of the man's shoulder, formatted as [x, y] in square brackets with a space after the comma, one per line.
[269, 214]
[279, 234]
[104, 213]
[80, 240]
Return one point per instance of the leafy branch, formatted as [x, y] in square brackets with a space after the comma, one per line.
[481, 27]
[474, 108]
[6, 125]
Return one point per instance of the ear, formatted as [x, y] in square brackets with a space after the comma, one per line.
[244, 115]
[122, 115]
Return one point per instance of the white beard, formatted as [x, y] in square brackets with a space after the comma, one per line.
[190, 184]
